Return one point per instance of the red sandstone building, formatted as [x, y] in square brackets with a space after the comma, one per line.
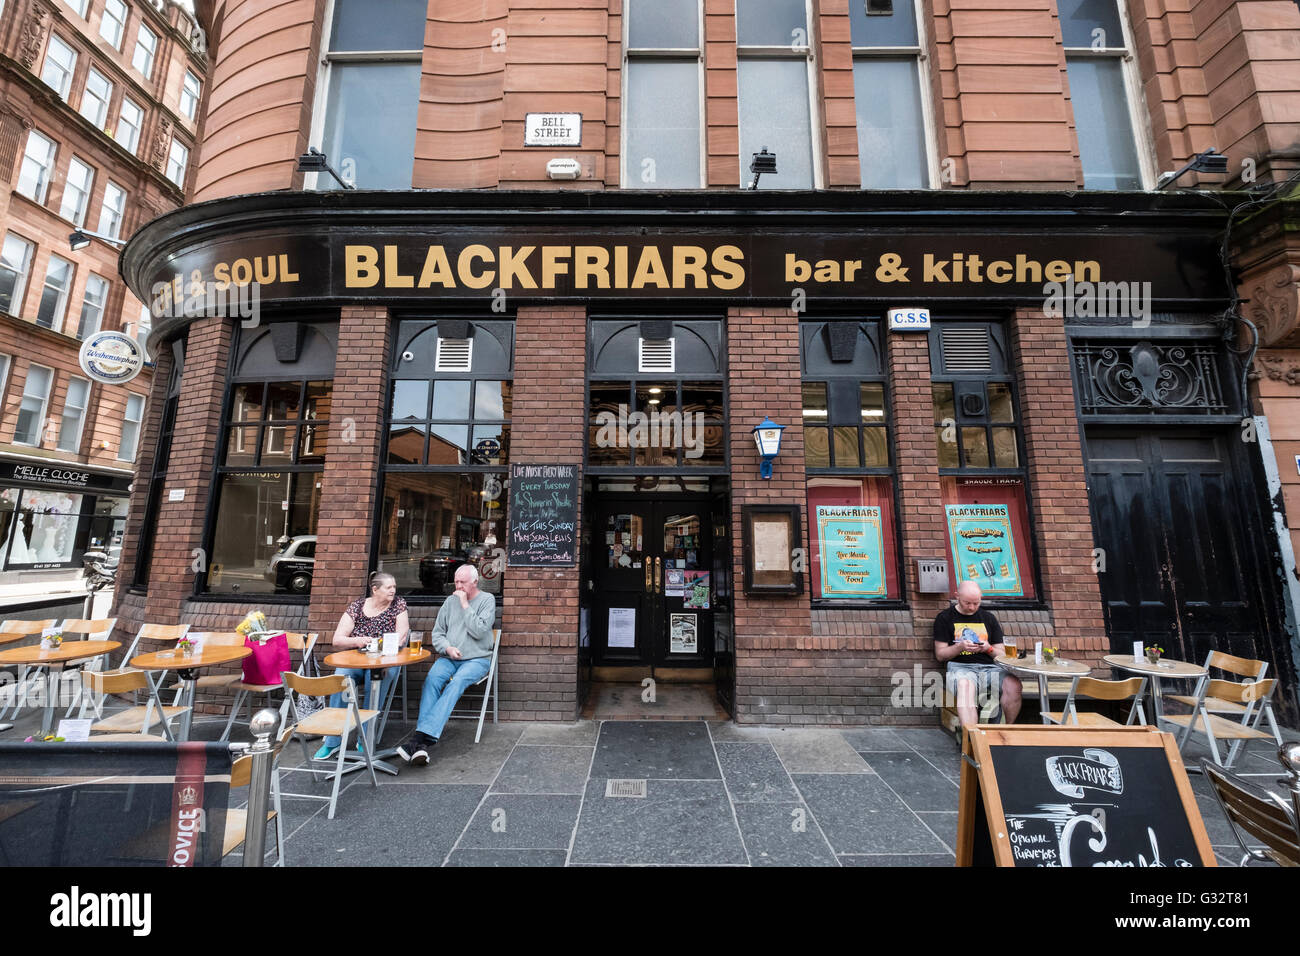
[99, 108]
[550, 236]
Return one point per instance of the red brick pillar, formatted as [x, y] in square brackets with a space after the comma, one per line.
[347, 503]
[775, 650]
[1061, 519]
[539, 642]
[194, 449]
[921, 515]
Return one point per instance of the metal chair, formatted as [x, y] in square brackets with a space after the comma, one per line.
[133, 720]
[1255, 701]
[1094, 689]
[1258, 813]
[331, 721]
[99, 630]
[304, 644]
[27, 672]
[1241, 667]
[154, 633]
[489, 691]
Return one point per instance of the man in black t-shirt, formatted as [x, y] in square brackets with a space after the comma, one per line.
[968, 640]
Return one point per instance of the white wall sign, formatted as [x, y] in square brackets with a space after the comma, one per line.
[909, 320]
[176, 494]
[553, 129]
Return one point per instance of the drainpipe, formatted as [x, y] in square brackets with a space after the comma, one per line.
[1292, 603]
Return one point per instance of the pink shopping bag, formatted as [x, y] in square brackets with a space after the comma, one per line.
[268, 659]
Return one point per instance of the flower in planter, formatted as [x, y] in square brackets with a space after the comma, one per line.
[50, 739]
[51, 642]
[186, 645]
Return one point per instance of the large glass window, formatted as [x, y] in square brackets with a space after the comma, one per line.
[373, 93]
[130, 120]
[74, 415]
[190, 95]
[448, 450]
[656, 422]
[269, 484]
[40, 530]
[849, 460]
[113, 23]
[31, 410]
[131, 420]
[888, 91]
[15, 264]
[981, 471]
[111, 212]
[664, 74]
[60, 61]
[76, 192]
[177, 159]
[54, 297]
[1104, 92]
[37, 168]
[95, 97]
[774, 61]
[92, 305]
[146, 45]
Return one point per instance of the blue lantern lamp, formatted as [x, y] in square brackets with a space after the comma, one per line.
[767, 435]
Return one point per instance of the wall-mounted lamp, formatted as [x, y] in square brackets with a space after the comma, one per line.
[81, 238]
[1210, 161]
[314, 161]
[764, 162]
[767, 435]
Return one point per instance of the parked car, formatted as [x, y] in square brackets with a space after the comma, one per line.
[438, 570]
[292, 566]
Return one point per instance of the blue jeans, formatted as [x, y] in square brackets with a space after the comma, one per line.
[447, 680]
[363, 688]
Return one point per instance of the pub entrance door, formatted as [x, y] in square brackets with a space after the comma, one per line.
[1186, 564]
[653, 602]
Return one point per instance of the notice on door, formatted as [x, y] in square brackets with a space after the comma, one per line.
[622, 627]
[682, 632]
[543, 515]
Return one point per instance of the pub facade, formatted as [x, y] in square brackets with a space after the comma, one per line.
[747, 438]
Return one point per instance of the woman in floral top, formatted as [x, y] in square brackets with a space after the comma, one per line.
[381, 613]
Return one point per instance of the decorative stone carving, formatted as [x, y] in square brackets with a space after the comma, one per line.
[1275, 304]
[1277, 368]
[33, 35]
[162, 138]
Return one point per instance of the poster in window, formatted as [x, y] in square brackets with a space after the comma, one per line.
[682, 633]
[852, 547]
[984, 549]
[674, 582]
[696, 593]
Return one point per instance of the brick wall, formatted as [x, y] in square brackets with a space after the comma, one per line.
[539, 643]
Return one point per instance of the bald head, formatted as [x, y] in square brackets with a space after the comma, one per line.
[969, 596]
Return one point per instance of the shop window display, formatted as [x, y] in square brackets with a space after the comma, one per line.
[41, 527]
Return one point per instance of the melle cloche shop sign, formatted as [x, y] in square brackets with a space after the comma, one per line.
[461, 262]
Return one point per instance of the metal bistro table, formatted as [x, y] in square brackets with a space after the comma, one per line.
[185, 667]
[360, 660]
[55, 660]
[1165, 668]
[1058, 668]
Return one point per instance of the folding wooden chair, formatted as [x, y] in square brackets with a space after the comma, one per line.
[489, 684]
[1255, 701]
[330, 721]
[303, 644]
[1094, 689]
[10, 628]
[100, 630]
[153, 633]
[1239, 667]
[1258, 813]
[138, 719]
[237, 817]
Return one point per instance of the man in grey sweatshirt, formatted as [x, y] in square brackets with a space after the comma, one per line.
[463, 635]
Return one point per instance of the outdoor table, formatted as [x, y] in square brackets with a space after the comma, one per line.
[1058, 668]
[360, 660]
[185, 667]
[1165, 668]
[10, 638]
[55, 659]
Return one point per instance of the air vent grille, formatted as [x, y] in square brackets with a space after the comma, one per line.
[657, 355]
[454, 355]
[966, 350]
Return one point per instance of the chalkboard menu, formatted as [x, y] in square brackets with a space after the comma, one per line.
[1064, 796]
[543, 516]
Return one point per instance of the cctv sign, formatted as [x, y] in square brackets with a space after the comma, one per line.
[909, 320]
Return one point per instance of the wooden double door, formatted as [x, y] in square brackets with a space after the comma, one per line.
[652, 562]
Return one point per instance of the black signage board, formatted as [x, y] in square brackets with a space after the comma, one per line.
[1052, 796]
[543, 516]
[62, 477]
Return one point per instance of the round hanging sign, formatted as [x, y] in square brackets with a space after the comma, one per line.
[113, 358]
